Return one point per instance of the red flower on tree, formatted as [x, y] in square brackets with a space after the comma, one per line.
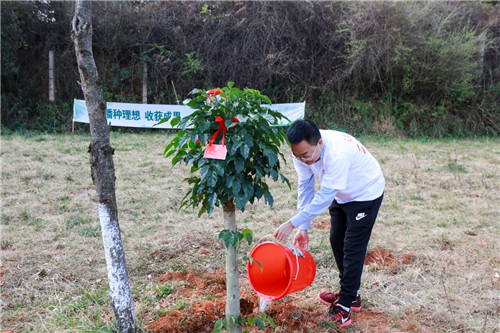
[215, 91]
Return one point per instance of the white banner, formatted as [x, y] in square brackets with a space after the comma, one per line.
[146, 115]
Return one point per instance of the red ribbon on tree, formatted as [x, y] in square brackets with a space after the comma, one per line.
[222, 127]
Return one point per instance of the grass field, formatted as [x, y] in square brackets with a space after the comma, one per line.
[439, 225]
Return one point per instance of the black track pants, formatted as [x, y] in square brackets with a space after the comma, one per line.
[352, 225]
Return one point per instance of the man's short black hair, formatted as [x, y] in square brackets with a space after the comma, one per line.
[303, 130]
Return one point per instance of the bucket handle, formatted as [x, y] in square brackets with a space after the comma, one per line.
[297, 252]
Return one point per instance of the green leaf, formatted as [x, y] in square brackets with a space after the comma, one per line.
[249, 139]
[229, 182]
[202, 210]
[235, 145]
[219, 325]
[245, 150]
[228, 237]
[242, 119]
[240, 164]
[175, 121]
[260, 324]
[179, 155]
[236, 188]
[209, 208]
[271, 157]
[170, 153]
[180, 134]
[202, 161]
[285, 180]
[248, 190]
[211, 179]
[219, 169]
[204, 171]
[173, 143]
[195, 91]
[271, 322]
[240, 201]
[212, 197]
[248, 235]
[253, 261]
[163, 120]
[203, 126]
[269, 198]
[183, 140]
[266, 99]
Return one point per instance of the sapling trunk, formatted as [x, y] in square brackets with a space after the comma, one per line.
[232, 275]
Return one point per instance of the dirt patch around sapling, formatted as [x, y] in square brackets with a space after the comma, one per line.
[384, 258]
[204, 294]
[322, 225]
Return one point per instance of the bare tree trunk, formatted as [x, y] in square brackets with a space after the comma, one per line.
[52, 90]
[232, 275]
[145, 83]
[102, 170]
[481, 64]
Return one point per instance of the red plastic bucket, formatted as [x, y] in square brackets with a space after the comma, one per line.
[285, 270]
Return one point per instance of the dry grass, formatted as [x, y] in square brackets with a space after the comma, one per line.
[439, 216]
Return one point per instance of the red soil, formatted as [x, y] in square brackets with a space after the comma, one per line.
[380, 257]
[324, 224]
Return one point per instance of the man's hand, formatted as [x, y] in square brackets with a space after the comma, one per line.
[283, 231]
[301, 239]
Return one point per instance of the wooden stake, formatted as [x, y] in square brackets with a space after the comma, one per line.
[52, 90]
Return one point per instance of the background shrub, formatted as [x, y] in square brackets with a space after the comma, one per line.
[391, 68]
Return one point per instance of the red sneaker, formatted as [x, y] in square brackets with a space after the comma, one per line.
[329, 298]
[339, 315]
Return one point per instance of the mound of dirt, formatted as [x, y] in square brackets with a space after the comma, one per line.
[380, 257]
[324, 224]
[200, 316]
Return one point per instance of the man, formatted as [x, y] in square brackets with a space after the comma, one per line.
[352, 187]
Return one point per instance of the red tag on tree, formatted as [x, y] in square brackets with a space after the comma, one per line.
[218, 152]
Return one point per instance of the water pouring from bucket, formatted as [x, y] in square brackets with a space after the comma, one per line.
[285, 270]
[263, 304]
